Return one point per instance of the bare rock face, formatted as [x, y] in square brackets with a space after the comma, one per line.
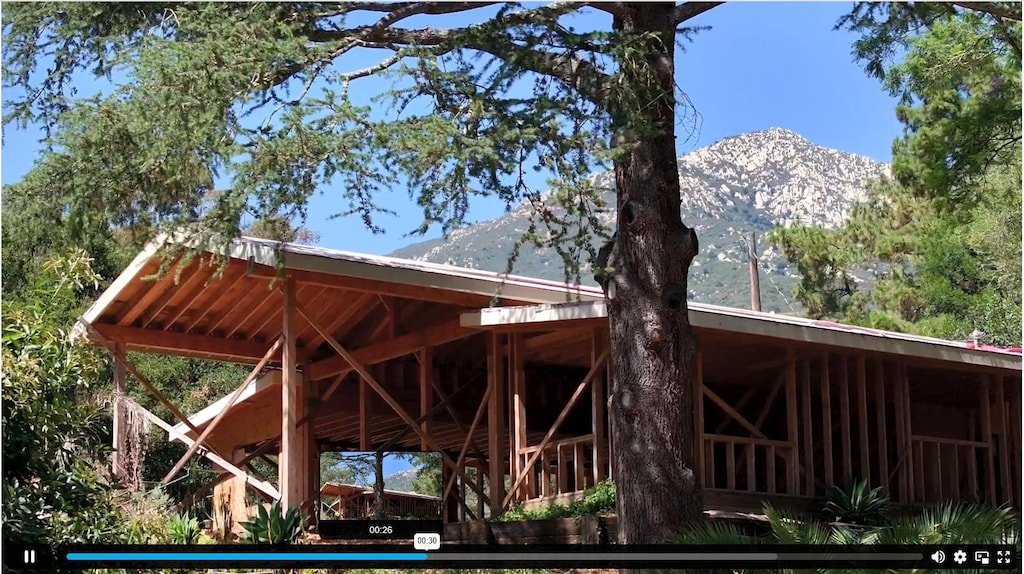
[744, 183]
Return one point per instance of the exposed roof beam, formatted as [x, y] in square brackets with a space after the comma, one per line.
[440, 334]
[187, 345]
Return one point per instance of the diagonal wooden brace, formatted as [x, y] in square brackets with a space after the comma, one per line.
[220, 416]
[594, 370]
[380, 390]
[265, 487]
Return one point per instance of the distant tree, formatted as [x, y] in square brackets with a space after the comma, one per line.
[944, 230]
[256, 94]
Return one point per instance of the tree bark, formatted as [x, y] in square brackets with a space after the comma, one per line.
[645, 285]
[378, 486]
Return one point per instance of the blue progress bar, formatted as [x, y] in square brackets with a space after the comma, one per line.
[255, 556]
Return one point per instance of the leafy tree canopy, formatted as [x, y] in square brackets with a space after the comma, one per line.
[943, 230]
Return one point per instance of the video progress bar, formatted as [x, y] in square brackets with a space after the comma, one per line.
[732, 557]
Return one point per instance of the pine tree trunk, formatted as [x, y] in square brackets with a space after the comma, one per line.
[378, 486]
[650, 409]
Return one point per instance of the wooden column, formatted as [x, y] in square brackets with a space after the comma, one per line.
[120, 426]
[480, 481]
[908, 432]
[496, 424]
[426, 392]
[599, 402]
[1005, 464]
[899, 410]
[808, 457]
[844, 419]
[792, 425]
[364, 416]
[985, 406]
[883, 443]
[698, 426]
[230, 508]
[518, 388]
[292, 461]
[826, 421]
[862, 419]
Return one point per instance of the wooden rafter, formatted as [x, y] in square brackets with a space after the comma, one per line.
[224, 286]
[192, 277]
[149, 296]
[270, 295]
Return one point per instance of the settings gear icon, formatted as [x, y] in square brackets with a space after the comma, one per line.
[959, 557]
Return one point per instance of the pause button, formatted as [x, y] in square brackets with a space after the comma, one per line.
[30, 557]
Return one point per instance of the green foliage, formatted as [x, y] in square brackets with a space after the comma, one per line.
[597, 500]
[148, 516]
[54, 490]
[274, 527]
[221, 114]
[184, 530]
[942, 235]
[857, 504]
[946, 524]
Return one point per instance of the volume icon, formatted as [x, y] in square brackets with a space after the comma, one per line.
[938, 557]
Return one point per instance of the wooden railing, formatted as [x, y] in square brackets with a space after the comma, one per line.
[951, 469]
[748, 464]
[565, 466]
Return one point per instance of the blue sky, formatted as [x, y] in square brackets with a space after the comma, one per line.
[763, 64]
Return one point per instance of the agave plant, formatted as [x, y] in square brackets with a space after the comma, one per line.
[274, 527]
[857, 504]
[184, 530]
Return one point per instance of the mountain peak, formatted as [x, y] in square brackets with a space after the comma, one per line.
[748, 182]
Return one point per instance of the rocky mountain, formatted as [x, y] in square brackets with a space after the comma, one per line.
[741, 184]
[401, 480]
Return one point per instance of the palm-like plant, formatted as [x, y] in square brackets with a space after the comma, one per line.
[857, 504]
[274, 527]
[946, 524]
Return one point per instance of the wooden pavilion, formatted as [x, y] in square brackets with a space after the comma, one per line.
[353, 352]
[351, 501]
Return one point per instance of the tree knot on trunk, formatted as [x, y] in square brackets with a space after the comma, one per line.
[604, 266]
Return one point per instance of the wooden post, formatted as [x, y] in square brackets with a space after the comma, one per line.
[844, 418]
[120, 427]
[792, 425]
[1005, 464]
[809, 485]
[883, 443]
[516, 350]
[985, 406]
[598, 405]
[901, 447]
[480, 480]
[290, 460]
[364, 416]
[755, 281]
[826, 421]
[496, 424]
[698, 403]
[908, 431]
[426, 392]
[862, 418]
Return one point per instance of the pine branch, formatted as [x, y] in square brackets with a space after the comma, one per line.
[690, 10]
[578, 73]
[1004, 10]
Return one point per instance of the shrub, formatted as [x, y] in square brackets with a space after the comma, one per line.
[274, 527]
[184, 530]
[857, 504]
